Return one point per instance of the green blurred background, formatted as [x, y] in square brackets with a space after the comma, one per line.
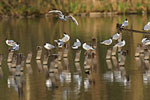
[41, 7]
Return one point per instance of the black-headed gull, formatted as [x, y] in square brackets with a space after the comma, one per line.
[10, 42]
[125, 23]
[66, 38]
[48, 46]
[147, 26]
[120, 44]
[116, 36]
[76, 44]
[87, 47]
[107, 42]
[145, 41]
[63, 17]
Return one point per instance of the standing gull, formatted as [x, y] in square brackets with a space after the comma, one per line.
[66, 38]
[76, 44]
[120, 44]
[145, 41]
[107, 42]
[63, 17]
[116, 36]
[87, 47]
[147, 27]
[10, 42]
[124, 24]
[60, 42]
[48, 46]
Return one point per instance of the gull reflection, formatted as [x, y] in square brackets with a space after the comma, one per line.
[65, 77]
[86, 84]
[17, 83]
[78, 79]
[146, 74]
[118, 75]
[49, 83]
[108, 76]
[78, 82]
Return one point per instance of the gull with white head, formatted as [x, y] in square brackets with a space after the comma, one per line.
[62, 16]
[116, 36]
[145, 41]
[107, 42]
[10, 42]
[147, 27]
[76, 44]
[87, 47]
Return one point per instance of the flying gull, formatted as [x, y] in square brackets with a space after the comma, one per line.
[63, 17]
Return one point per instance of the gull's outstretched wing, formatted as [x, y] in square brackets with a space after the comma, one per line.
[73, 19]
[56, 11]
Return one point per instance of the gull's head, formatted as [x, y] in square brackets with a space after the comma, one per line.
[49, 12]
[93, 39]
[65, 33]
[126, 19]
[44, 43]
[77, 40]
[148, 23]
[84, 43]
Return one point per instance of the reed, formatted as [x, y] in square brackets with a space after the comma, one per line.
[39, 7]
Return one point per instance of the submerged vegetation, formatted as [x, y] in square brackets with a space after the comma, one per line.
[40, 7]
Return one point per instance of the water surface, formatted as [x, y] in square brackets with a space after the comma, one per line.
[35, 32]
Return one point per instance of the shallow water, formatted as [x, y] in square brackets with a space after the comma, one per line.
[79, 86]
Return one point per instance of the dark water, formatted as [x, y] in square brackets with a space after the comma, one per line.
[80, 86]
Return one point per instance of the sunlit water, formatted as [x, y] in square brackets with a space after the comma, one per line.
[103, 83]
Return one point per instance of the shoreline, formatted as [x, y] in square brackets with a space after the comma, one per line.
[89, 14]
